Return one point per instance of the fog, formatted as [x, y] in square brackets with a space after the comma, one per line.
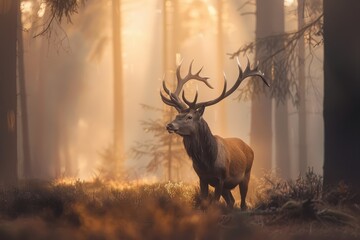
[69, 81]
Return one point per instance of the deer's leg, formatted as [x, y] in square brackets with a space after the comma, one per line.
[204, 192]
[243, 186]
[219, 189]
[204, 189]
[229, 199]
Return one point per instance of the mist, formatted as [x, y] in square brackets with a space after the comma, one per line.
[169, 119]
[69, 79]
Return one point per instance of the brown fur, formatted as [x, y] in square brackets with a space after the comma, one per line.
[223, 163]
[233, 164]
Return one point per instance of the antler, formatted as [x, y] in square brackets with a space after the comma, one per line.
[243, 74]
[174, 98]
[175, 101]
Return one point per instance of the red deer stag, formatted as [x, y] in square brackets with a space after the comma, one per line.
[220, 162]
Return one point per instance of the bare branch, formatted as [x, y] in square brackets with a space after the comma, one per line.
[58, 10]
[46, 29]
[247, 3]
[248, 13]
[291, 38]
[281, 59]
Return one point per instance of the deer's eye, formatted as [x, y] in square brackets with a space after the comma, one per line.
[189, 117]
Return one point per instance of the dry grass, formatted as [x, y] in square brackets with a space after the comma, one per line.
[112, 210]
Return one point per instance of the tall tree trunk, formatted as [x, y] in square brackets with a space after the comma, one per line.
[282, 152]
[341, 92]
[221, 106]
[261, 112]
[118, 86]
[66, 155]
[169, 65]
[38, 117]
[303, 161]
[23, 103]
[8, 92]
[282, 140]
[170, 158]
[261, 134]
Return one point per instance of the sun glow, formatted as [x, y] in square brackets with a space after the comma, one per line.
[289, 3]
[26, 6]
[42, 9]
[26, 12]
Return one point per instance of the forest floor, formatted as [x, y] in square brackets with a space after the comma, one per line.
[112, 210]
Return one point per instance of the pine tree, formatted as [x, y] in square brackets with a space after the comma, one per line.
[165, 150]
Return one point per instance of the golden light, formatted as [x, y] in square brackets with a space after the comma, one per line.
[42, 9]
[26, 12]
[82, 124]
[26, 7]
[289, 3]
[212, 10]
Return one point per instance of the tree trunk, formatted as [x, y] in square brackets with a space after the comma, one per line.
[118, 86]
[282, 151]
[303, 161]
[170, 158]
[23, 104]
[283, 163]
[261, 113]
[8, 92]
[341, 92]
[170, 44]
[261, 134]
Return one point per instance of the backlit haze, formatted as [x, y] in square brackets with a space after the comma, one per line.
[70, 77]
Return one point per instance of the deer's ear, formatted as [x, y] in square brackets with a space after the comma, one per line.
[200, 110]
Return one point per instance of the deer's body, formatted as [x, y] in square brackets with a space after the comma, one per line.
[218, 160]
[223, 163]
[233, 163]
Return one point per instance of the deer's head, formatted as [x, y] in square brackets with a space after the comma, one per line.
[185, 123]
[190, 112]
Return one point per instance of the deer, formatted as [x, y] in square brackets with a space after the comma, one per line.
[222, 163]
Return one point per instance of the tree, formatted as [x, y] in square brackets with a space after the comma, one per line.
[302, 92]
[23, 102]
[341, 97]
[58, 143]
[8, 92]
[164, 149]
[11, 51]
[261, 105]
[269, 23]
[118, 86]
[286, 50]
[171, 40]
[282, 152]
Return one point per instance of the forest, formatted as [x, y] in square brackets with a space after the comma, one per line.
[118, 119]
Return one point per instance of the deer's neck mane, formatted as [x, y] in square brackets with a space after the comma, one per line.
[201, 146]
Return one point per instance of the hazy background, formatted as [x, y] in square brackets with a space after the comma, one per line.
[69, 81]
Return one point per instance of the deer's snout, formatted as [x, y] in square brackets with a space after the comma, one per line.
[171, 128]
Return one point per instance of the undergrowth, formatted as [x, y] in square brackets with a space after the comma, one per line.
[272, 192]
[118, 210]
